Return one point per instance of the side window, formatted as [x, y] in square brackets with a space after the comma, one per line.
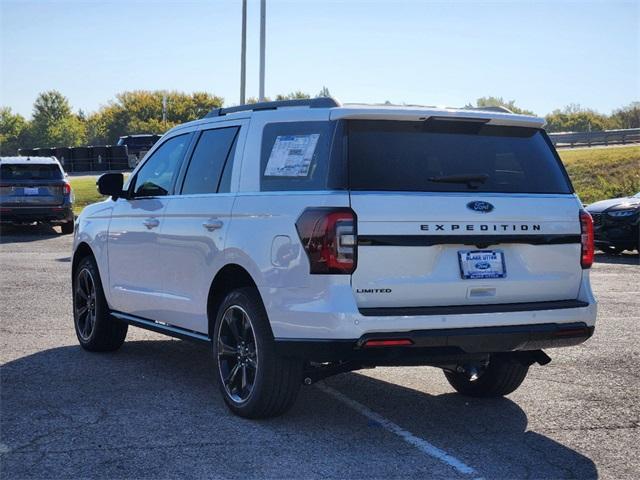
[208, 161]
[299, 156]
[225, 181]
[156, 176]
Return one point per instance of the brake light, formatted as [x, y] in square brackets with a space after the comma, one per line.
[67, 189]
[586, 239]
[328, 235]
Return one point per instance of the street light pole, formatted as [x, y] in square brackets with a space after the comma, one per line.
[243, 54]
[263, 8]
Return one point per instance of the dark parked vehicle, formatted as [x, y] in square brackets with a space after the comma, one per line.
[138, 146]
[35, 189]
[616, 224]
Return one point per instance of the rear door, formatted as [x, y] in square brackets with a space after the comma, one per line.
[195, 226]
[460, 213]
[31, 184]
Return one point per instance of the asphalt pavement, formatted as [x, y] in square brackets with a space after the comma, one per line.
[151, 410]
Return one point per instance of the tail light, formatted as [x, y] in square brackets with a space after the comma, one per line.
[328, 235]
[586, 239]
[67, 189]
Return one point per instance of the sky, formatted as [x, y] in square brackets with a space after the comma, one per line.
[542, 54]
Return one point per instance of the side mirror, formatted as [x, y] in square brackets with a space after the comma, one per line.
[110, 184]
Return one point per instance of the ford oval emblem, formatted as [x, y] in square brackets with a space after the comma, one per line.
[483, 265]
[479, 206]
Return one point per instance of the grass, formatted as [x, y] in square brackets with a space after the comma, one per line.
[85, 192]
[596, 173]
[600, 173]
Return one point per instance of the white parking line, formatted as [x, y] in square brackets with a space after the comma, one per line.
[420, 443]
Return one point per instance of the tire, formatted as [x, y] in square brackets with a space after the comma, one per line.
[502, 376]
[96, 330]
[613, 250]
[264, 384]
[66, 228]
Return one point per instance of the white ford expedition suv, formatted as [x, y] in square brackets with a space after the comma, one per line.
[302, 239]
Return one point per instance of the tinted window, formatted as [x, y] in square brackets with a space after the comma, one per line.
[34, 171]
[297, 156]
[208, 161]
[225, 181]
[156, 176]
[428, 156]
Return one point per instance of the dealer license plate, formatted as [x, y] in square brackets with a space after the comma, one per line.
[482, 264]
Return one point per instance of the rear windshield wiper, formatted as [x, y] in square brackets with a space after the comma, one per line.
[469, 180]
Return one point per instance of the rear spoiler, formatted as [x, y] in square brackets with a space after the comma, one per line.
[421, 114]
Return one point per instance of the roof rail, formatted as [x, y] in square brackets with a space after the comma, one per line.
[495, 108]
[320, 102]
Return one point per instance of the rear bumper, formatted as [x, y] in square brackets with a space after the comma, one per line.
[53, 214]
[473, 309]
[427, 346]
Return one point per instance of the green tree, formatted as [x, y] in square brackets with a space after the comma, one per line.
[252, 100]
[13, 130]
[324, 92]
[627, 117]
[500, 102]
[297, 95]
[141, 111]
[54, 124]
[574, 118]
[51, 106]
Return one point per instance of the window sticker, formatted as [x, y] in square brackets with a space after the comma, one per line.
[291, 155]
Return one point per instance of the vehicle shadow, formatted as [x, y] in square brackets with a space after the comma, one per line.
[151, 410]
[625, 258]
[490, 435]
[27, 233]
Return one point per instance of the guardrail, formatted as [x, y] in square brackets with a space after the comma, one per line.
[590, 139]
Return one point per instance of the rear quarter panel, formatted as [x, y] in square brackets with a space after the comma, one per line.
[263, 238]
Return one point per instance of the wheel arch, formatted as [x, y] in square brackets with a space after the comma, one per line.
[82, 251]
[230, 277]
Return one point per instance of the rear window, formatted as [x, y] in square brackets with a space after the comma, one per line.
[21, 171]
[452, 156]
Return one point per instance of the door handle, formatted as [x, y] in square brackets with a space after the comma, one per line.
[212, 225]
[151, 223]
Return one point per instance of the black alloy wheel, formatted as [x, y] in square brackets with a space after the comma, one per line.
[237, 354]
[85, 304]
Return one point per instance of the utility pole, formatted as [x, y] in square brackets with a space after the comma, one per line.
[243, 54]
[263, 13]
[164, 110]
